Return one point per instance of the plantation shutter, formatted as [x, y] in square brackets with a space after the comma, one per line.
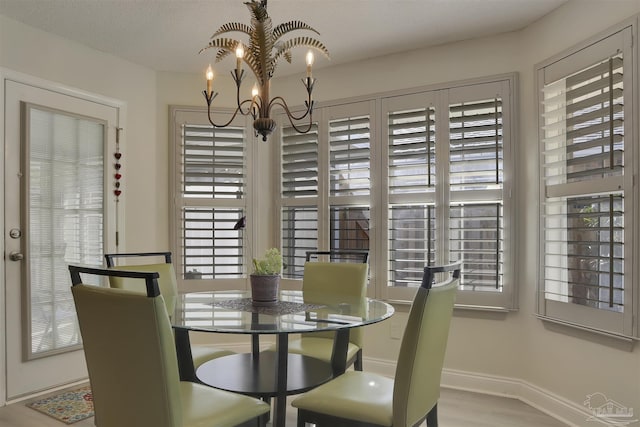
[299, 185]
[412, 240]
[349, 227]
[349, 181]
[476, 173]
[586, 192]
[213, 162]
[350, 154]
[412, 151]
[299, 163]
[475, 154]
[213, 169]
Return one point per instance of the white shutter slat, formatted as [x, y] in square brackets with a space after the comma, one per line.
[476, 145]
[349, 152]
[476, 239]
[211, 249]
[299, 163]
[411, 243]
[299, 235]
[212, 162]
[411, 151]
[349, 227]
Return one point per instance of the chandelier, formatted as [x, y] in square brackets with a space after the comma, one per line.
[261, 55]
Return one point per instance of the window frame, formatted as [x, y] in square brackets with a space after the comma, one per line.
[506, 300]
[623, 325]
[198, 116]
[323, 115]
[441, 97]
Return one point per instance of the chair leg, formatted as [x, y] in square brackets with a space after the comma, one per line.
[432, 417]
[357, 364]
[267, 417]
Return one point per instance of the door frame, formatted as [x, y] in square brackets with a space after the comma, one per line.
[26, 79]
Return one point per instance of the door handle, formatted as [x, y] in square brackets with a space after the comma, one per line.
[16, 256]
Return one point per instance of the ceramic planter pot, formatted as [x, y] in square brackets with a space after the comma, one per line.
[264, 289]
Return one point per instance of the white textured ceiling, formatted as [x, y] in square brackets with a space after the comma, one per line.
[166, 35]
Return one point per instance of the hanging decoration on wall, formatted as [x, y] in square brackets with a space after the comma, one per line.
[117, 190]
[118, 175]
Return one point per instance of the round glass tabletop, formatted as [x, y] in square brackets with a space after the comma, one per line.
[233, 312]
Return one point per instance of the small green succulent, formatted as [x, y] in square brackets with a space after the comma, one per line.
[270, 265]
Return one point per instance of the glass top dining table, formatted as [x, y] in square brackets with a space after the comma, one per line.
[233, 312]
[270, 374]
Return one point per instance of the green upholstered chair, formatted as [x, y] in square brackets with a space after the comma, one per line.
[351, 255]
[132, 364]
[368, 399]
[331, 282]
[168, 288]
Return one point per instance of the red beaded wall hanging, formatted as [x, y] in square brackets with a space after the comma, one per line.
[118, 175]
[117, 191]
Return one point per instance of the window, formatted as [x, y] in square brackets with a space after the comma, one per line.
[447, 163]
[411, 173]
[349, 177]
[66, 212]
[210, 193]
[436, 181]
[325, 184]
[299, 198]
[587, 187]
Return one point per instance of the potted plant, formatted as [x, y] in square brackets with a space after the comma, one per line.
[265, 279]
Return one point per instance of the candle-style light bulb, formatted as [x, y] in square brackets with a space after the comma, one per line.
[209, 76]
[310, 60]
[239, 56]
[254, 91]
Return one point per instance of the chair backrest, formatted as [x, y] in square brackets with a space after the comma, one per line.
[419, 367]
[352, 255]
[167, 280]
[328, 282]
[130, 351]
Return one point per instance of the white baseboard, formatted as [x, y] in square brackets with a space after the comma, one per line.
[571, 413]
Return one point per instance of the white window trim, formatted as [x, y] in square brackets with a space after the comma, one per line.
[626, 326]
[198, 115]
[504, 301]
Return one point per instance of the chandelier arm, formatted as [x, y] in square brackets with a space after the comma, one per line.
[235, 113]
[291, 117]
[307, 129]
[238, 76]
[278, 100]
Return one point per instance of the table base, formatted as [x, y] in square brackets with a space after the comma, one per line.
[257, 375]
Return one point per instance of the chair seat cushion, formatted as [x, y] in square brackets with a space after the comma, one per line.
[320, 348]
[203, 353]
[204, 406]
[360, 396]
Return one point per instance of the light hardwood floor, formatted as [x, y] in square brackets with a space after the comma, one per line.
[455, 409]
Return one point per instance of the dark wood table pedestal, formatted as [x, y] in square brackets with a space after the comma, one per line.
[266, 375]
